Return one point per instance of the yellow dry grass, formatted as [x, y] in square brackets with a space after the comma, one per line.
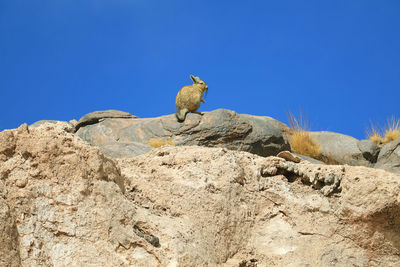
[159, 143]
[300, 139]
[389, 133]
[374, 135]
[392, 130]
[302, 143]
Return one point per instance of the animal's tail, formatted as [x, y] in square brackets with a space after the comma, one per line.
[181, 114]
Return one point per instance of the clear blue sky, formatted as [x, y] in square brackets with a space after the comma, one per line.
[337, 60]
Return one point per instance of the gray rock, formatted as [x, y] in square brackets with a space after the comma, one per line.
[389, 157]
[95, 117]
[369, 150]
[266, 137]
[343, 149]
[218, 128]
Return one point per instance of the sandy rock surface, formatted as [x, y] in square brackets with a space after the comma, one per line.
[63, 203]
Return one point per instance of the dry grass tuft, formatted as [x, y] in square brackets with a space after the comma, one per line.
[389, 133]
[159, 143]
[300, 140]
[392, 130]
[374, 135]
[302, 143]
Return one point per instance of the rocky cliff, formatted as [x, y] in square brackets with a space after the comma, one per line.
[219, 197]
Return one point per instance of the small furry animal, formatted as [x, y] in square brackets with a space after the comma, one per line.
[189, 97]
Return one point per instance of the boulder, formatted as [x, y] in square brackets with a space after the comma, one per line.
[267, 137]
[340, 148]
[369, 150]
[219, 128]
[389, 157]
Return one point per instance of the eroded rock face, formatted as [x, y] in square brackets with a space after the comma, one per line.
[326, 178]
[236, 211]
[62, 196]
[64, 203]
[9, 249]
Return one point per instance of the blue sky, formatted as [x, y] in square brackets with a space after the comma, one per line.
[338, 61]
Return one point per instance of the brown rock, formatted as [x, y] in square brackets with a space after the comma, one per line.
[71, 210]
[9, 249]
[7, 142]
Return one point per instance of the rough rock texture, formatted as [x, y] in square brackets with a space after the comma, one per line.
[63, 203]
[219, 128]
[41, 122]
[324, 178]
[9, 250]
[122, 149]
[389, 157]
[343, 149]
[119, 134]
[62, 195]
[236, 212]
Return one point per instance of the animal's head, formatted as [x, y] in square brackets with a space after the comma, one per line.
[202, 84]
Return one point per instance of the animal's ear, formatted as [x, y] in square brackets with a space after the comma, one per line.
[193, 78]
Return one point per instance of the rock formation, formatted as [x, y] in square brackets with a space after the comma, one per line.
[65, 203]
[119, 134]
[223, 128]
